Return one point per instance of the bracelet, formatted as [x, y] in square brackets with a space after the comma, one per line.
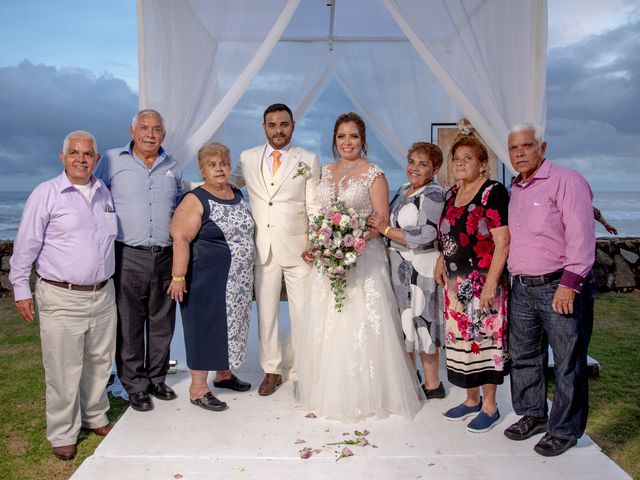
[386, 230]
[178, 279]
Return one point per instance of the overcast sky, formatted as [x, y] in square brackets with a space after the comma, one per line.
[66, 65]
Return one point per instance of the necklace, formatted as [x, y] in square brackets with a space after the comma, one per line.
[346, 169]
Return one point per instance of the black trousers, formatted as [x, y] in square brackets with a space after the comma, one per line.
[145, 312]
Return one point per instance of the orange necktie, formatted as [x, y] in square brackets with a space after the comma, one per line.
[276, 161]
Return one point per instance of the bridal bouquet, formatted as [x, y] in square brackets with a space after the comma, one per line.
[337, 236]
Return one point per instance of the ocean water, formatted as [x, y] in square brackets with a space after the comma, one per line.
[621, 209]
[11, 206]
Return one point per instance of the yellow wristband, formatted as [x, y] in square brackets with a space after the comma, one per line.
[386, 230]
[178, 279]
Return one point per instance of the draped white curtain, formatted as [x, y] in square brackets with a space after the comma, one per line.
[199, 57]
[297, 87]
[393, 89]
[489, 56]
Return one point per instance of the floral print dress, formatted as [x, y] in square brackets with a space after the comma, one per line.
[475, 341]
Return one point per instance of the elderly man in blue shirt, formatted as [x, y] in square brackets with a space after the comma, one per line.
[146, 185]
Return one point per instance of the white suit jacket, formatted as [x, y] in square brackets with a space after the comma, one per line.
[281, 204]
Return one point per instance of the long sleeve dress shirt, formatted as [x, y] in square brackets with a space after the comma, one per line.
[69, 237]
[551, 225]
[144, 198]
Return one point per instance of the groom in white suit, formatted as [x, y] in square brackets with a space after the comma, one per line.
[281, 180]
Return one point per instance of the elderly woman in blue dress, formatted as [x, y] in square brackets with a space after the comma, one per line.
[412, 231]
[213, 256]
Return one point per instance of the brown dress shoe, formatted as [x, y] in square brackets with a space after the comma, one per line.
[270, 384]
[65, 452]
[102, 431]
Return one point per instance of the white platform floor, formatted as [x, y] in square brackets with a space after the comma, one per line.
[255, 439]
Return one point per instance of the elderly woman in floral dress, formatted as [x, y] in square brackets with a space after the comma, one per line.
[474, 239]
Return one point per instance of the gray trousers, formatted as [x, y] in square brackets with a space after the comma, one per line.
[77, 334]
[146, 316]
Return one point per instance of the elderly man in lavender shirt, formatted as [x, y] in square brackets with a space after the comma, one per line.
[550, 259]
[68, 228]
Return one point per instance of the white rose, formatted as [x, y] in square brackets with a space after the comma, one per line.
[350, 258]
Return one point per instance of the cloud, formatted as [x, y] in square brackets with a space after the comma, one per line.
[40, 104]
[572, 20]
[593, 90]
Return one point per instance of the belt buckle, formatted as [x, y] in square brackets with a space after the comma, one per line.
[522, 282]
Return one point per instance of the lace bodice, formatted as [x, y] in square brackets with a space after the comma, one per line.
[352, 191]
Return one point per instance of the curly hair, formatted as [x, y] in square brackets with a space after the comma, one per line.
[432, 152]
[474, 144]
[213, 149]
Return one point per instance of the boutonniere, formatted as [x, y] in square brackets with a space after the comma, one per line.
[302, 170]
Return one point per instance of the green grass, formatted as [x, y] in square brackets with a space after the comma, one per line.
[25, 453]
[614, 418]
[614, 409]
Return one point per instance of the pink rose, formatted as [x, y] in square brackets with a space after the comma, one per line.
[359, 245]
[335, 219]
[348, 240]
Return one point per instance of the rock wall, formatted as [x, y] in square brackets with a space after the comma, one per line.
[6, 249]
[617, 265]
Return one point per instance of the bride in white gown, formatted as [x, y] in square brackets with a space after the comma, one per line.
[352, 364]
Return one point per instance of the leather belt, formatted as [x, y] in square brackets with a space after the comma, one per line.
[148, 248]
[539, 280]
[81, 288]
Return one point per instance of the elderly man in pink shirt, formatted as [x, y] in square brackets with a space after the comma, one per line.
[551, 254]
[68, 229]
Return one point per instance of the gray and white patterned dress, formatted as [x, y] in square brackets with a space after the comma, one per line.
[419, 298]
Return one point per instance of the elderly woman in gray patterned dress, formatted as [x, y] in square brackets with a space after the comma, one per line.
[213, 255]
[412, 231]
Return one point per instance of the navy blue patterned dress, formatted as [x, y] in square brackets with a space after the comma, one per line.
[216, 308]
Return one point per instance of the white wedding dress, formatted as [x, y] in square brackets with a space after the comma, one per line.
[352, 364]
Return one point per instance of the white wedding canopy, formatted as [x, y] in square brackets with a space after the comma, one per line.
[404, 64]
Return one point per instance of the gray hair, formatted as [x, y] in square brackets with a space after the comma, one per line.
[81, 134]
[529, 127]
[147, 111]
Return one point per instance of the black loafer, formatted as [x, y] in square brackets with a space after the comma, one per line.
[162, 391]
[140, 401]
[438, 392]
[233, 383]
[526, 427]
[209, 402]
[550, 446]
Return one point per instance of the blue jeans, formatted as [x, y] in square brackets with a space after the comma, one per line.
[533, 325]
